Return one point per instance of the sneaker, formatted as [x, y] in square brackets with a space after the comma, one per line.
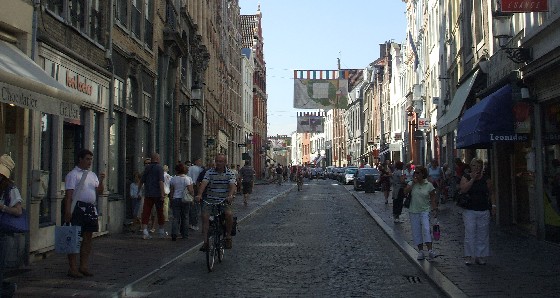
[396, 220]
[480, 261]
[420, 255]
[432, 254]
[162, 234]
[469, 261]
[194, 228]
[204, 247]
[146, 235]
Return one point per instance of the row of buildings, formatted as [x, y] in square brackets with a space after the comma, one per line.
[123, 78]
[471, 78]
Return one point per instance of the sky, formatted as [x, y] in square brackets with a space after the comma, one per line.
[312, 34]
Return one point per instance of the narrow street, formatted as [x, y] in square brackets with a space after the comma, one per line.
[317, 242]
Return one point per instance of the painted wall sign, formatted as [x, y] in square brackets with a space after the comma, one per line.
[524, 5]
[73, 81]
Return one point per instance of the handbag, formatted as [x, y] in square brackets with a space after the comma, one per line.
[436, 231]
[67, 239]
[14, 224]
[187, 198]
[463, 200]
[407, 199]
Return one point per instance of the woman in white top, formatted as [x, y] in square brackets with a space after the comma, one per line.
[178, 184]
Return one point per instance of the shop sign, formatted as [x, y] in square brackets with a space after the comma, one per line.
[506, 138]
[423, 123]
[36, 101]
[524, 5]
[73, 81]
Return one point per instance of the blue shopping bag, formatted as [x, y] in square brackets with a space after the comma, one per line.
[67, 239]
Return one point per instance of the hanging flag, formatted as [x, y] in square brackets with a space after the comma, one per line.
[310, 122]
[321, 89]
[413, 47]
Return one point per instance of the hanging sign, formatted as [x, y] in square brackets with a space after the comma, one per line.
[423, 123]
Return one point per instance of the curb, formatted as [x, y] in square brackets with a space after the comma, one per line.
[437, 278]
[128, 289]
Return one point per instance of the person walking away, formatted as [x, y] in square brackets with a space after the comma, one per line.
[279, 173]
[220, 182]
[408, 172]
[476, 217]
[385, 183]
[247, 174]
[178, 185]
[398, 183]
[194, 172]
[135, 198]
[154, 191]
[82, 187]
[166, 180]
[10, 203]
[435, 175]
[422, 199]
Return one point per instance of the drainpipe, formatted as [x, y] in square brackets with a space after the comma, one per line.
[111, 68]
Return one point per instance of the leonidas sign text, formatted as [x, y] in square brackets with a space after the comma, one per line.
[524, 5]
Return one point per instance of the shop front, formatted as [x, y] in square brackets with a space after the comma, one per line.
[502, 123]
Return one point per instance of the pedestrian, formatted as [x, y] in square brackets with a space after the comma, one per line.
[435, 176]
[247, 174]
[154, 192]
[10, 203]
[398, 181]
[166, 180]
[385, 183]
[178, 185]
[476, 216]
[422, 199]
[194, 172]
[408, 172]
[135, 197]
[238, 176]
[279, 173]
[82, 187]
[221, 187]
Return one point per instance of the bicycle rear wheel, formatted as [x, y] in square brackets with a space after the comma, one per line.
[220, 249]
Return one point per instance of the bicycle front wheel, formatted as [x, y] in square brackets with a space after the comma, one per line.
[211, 252]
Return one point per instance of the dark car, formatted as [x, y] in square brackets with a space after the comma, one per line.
[339, 174]
[360, 178]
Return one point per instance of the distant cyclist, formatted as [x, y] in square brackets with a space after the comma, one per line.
[221, 183]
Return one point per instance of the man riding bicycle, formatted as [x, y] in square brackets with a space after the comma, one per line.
[221, 183]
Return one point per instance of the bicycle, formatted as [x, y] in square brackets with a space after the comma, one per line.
[216, 234]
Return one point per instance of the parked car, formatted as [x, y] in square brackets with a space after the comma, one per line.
[329, 171]
[319, 173]
[360, 178]
[340, 174]
[348, 176]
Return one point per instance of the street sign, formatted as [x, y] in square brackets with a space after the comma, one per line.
[241, 145]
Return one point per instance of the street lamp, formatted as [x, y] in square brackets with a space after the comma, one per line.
[502, 31]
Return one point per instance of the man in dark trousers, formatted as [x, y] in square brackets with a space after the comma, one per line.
[154, 193]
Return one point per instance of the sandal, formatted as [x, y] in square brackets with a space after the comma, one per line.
[228, 243]
[85, 272]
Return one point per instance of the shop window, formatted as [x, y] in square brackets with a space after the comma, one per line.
[113, 170]
[96, 167]
[46, 165]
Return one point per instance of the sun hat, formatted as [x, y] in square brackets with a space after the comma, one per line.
[6, 165]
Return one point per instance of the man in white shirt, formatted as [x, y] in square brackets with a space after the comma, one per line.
[82, 212]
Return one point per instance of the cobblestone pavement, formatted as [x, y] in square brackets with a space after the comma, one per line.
[520, 266]
[315, 243]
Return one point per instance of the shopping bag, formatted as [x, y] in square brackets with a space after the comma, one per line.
[14, 224]
[436, 231]
[67, 239]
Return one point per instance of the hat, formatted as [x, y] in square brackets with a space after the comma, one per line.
[6, 165]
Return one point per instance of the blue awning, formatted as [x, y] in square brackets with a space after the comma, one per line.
[490, 120]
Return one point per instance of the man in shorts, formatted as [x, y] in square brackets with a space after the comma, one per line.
[221, 184]
[247, 174]
[83, 212]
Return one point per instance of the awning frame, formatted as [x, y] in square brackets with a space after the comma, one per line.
[448, 122]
